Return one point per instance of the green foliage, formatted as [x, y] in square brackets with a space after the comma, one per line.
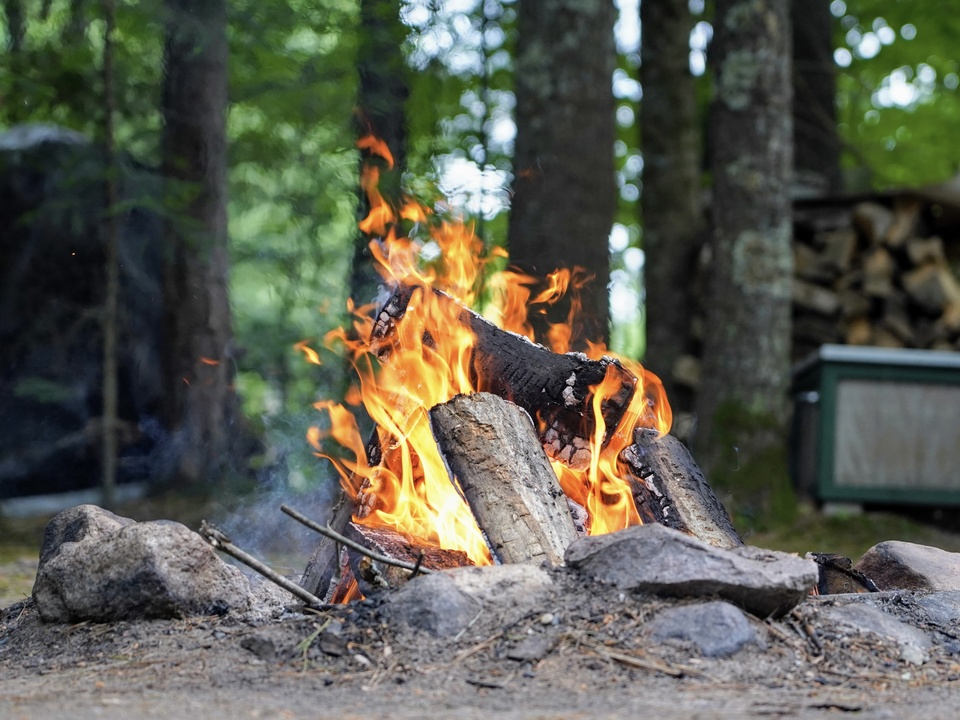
[55, 74]
[292, 207]
[898, 101]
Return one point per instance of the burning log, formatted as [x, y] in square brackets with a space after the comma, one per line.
[324, 566]
[555, 387]
[493, 451]
[374, 575]
[669, 489]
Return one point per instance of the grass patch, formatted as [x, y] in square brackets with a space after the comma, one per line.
[850, 535]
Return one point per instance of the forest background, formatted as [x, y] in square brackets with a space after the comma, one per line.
[277, 93]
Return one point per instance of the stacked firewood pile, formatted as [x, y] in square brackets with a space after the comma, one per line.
[874, 274]
[879, 270]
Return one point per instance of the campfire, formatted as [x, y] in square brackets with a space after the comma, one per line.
[455, 473]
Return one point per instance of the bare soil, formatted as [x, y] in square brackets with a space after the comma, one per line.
[599, 664]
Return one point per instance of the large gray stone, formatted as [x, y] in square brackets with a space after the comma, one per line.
[445, 603]
[655, 559]
[145, 570]
[717, 628]
[76, 524]
[896, 565]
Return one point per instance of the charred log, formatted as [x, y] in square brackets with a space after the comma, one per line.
[668, 488]
[374, 576]
[493, 451]
[555, 387]
[325, 566]
[838, 576]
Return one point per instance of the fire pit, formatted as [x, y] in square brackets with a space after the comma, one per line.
[488, 447]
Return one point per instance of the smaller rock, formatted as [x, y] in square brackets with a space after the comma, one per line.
[896, 565]
[913, 642]
[656, 559]
[261, 645]
[717, 628]
[531, 648]
[432, 603]
[444, 603]
[331, 640]
[941, 609]
[76, 524]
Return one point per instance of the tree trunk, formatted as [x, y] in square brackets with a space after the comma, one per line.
[815, 138]
[200, 406]
[564, 184]
[382, 101]
[16, 27]
[672, 223]
[746, 367]
[109, 320]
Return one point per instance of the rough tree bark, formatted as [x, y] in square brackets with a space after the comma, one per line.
[564, 184]
[383, 92]
[815, 138]
[109, 319]
[742, 400]
[672, 222]
[200, 406]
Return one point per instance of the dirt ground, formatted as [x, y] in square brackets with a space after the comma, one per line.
[598, 663]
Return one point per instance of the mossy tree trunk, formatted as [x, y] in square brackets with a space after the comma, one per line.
[672, 223]
[200, 405]
[564, 187]
[742, 404]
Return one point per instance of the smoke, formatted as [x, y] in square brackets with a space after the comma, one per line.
[290, 475]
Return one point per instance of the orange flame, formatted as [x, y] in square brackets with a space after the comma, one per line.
[376, 146]
[312, 355]
[426, 359]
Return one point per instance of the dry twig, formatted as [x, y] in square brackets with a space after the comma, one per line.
[219, 539]
[415, 568]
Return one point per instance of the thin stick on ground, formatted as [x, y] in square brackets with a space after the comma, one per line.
[333, 535]
[219, 539]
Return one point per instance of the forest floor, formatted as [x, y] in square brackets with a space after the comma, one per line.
[598, 663]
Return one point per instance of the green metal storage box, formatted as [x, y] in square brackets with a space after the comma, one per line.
[876, 425]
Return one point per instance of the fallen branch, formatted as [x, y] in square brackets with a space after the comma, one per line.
[347, 542]
[220, 541]
[640, 662]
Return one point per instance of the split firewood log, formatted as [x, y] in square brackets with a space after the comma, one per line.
[873, 221]
[668, 488]
[325, 563]
[495, 454]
